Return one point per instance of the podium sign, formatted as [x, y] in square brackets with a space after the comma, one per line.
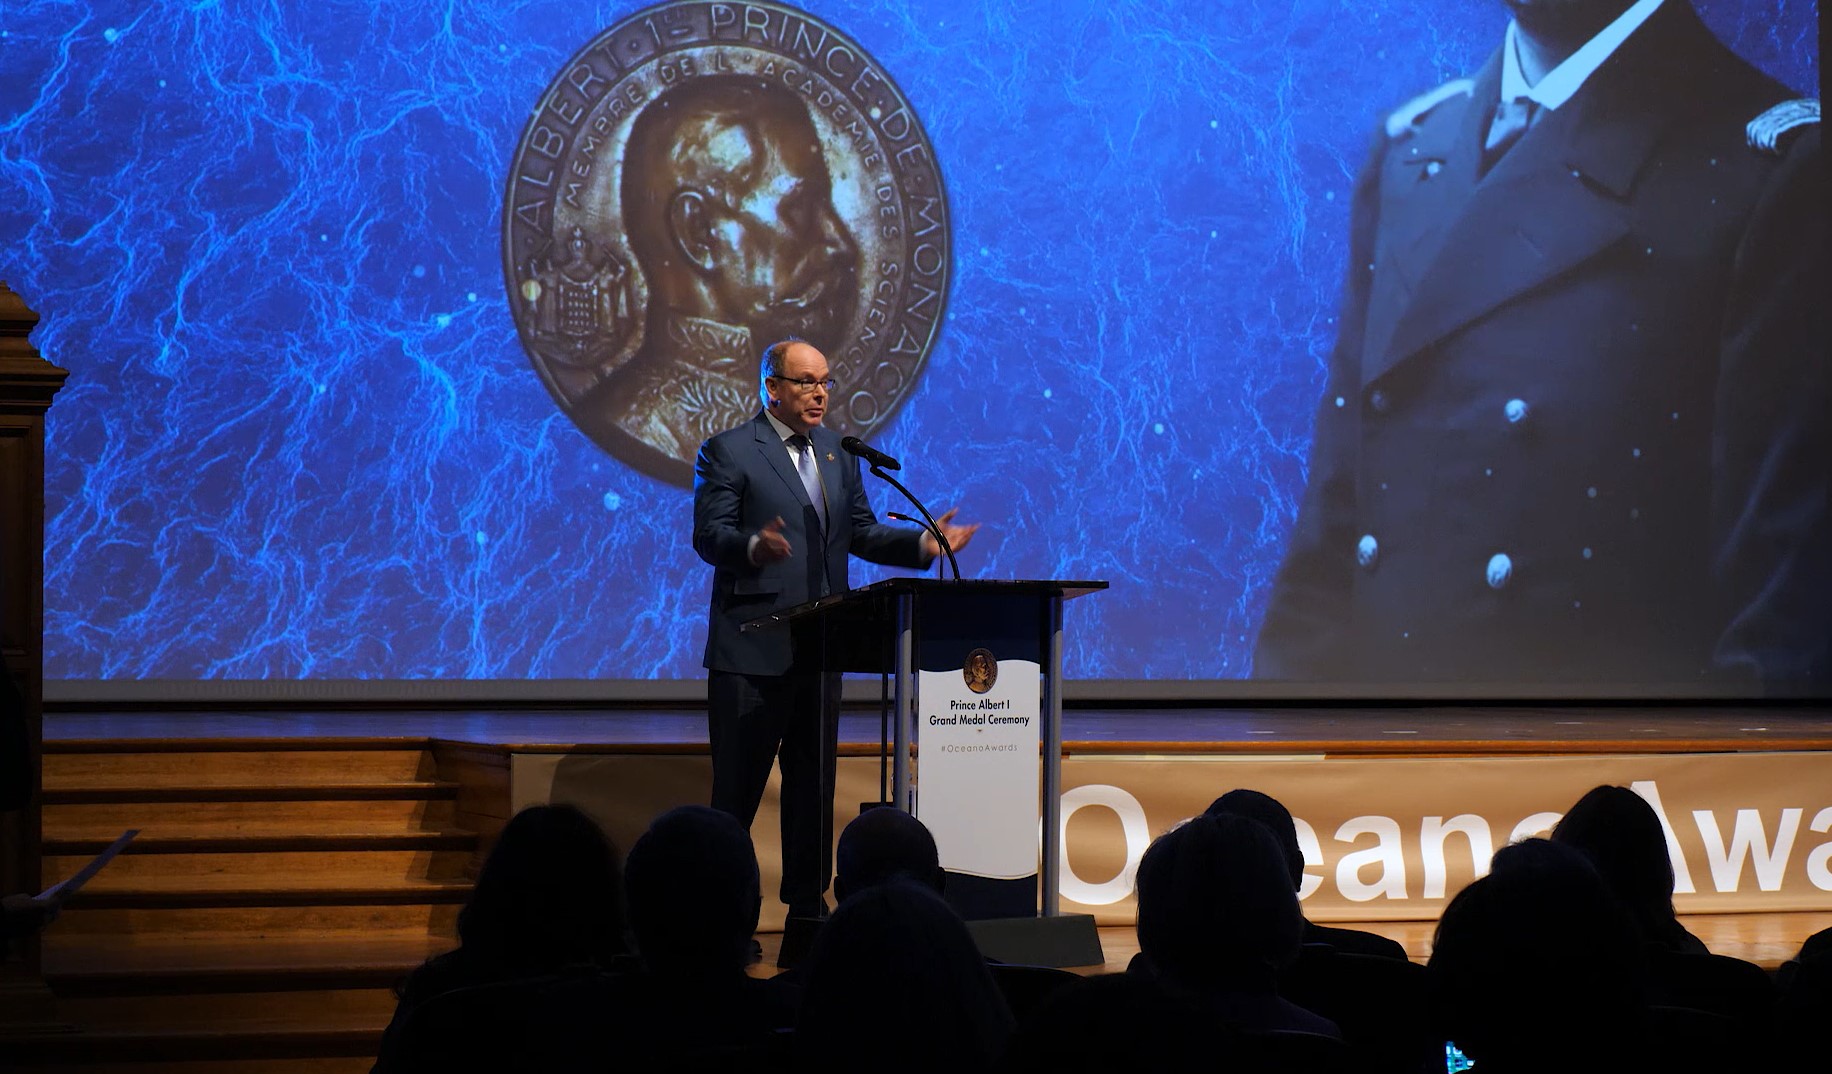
[977, 777]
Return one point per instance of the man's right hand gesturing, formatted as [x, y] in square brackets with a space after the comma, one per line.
[771, 545]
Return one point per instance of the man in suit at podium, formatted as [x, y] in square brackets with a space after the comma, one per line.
[1574, 429]
[778, 507]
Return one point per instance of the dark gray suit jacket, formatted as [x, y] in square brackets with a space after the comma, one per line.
[742, 479]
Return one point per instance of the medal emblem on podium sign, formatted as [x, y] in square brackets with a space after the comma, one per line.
[650, 254]
[981, 670]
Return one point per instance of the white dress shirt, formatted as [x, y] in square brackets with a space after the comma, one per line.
[750, 546]
[1565, 80]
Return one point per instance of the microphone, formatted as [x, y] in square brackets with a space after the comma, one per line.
[855, 446]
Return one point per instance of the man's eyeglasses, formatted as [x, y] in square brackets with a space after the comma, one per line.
[806, 386]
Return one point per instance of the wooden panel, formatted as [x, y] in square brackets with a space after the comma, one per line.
[67, 771]
[20, 539]
[27, 383]
[482, 775]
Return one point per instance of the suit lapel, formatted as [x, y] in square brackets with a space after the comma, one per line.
[1556, 200]
[776, 455]
[1426, 185]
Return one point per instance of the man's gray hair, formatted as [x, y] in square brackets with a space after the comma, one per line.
[771, 364]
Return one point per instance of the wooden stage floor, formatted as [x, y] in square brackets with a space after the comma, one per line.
[1433, 729]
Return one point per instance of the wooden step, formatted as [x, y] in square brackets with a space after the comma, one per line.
[144, 918]
[133, 965]
[320, 842]
[105, 820]
[277, 894]
[417, 789]
[158, 893]
[275, 767]
[354, 1064]
[185, 870]
[230, 1011]
[126, 1049]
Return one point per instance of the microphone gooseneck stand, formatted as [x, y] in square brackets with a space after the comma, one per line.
[941, 540]
[884, 683]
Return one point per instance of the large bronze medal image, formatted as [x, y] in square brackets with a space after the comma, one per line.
[701, 180]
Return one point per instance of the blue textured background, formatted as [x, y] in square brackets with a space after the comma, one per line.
[300, 439]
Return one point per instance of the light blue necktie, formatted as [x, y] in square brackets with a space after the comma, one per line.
[810, 476]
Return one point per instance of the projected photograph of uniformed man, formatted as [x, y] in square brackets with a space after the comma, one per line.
[1574, 429]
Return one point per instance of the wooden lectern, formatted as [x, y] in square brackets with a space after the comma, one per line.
[903, 627]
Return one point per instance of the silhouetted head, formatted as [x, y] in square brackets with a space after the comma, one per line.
[693, 893]
[895, 983]
[1272, 813]
[548, 895]
[1538, 962]
[1216, 905]
[881, 845]
[729, 209]
[1619, 832]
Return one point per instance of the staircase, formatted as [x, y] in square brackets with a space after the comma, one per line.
[277, 892]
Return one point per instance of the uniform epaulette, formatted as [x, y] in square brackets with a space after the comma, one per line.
[1766, 130]
[1414, 110]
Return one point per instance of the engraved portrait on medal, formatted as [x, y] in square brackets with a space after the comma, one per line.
[981, 670]
[700, 180]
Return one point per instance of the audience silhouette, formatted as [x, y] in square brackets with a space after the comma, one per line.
[1566, 956]
[882, 844]
[1358, 980]
[1218, 919]
[895, 984]
[1269, 811]
[1537, 967]
[548, 900]
[1803, 1007]
[694, 899]
[1620, 834]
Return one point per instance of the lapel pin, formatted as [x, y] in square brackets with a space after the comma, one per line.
[830, 456]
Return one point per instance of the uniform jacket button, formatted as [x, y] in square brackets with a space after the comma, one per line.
[1367, 550]
[1500, 569]
[1379, 401]
[1515, 410]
